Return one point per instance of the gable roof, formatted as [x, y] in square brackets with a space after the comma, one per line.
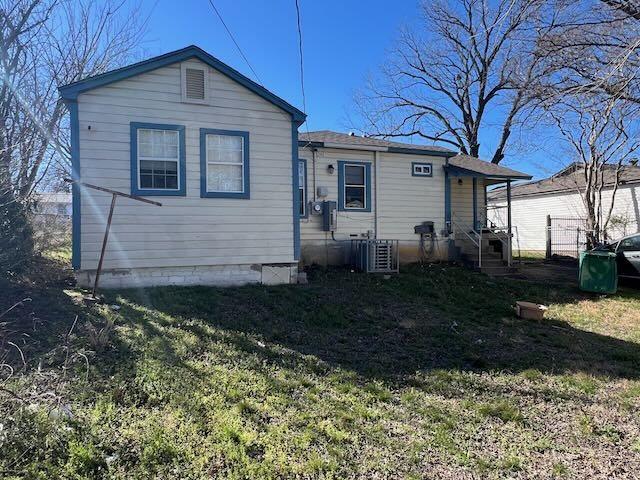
[458, 163]
[568, 179]
[72, 90]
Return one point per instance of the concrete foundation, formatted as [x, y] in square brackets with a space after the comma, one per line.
[337, 253]
[214, 275]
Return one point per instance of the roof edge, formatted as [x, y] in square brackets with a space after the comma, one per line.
[467, 171]
[71, 91]
[514, 192]
[376, 148]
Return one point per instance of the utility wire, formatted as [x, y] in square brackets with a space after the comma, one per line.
[234, 41]
[304, 98]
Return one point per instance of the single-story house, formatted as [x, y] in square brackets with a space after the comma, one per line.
[548, 215]
[245, 197]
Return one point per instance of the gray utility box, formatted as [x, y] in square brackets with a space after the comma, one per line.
[329, 216]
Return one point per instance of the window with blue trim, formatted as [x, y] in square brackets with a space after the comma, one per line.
[157, 159]
[354, 182]
[224, 163]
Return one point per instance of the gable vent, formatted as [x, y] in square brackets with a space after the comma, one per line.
[194, 79]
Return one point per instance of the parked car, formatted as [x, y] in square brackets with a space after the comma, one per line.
[627, 252]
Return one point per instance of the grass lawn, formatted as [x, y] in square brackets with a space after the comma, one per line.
[425, 375]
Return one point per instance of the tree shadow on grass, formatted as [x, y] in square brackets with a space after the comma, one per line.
[426, 319]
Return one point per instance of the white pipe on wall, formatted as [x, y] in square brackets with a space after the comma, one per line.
[376, 172]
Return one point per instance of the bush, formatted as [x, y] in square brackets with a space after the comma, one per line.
[16, 233]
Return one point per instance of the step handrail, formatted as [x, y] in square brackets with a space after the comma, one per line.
[507, 243]
[465, 229]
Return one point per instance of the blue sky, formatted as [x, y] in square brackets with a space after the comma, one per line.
[344, 41]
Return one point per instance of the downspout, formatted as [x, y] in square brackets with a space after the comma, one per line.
[313, 168]
[376, 172]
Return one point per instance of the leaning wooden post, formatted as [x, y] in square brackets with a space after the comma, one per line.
[104, 244]
[114, 195]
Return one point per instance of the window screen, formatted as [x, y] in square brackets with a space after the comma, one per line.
[225, 165]
[158, 157]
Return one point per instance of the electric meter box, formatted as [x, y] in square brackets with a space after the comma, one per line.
[316, 208]
[329, 216]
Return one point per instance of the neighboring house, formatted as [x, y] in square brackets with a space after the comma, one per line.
[241, 193]
[559, 198]
[56, 204]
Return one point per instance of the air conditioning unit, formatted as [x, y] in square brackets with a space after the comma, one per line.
[375, 256]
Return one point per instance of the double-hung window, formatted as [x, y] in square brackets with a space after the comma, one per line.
[157, 159]
[302, 187]
[224, 163]
[354, 182]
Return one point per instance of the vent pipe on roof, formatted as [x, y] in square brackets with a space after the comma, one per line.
[352, 134]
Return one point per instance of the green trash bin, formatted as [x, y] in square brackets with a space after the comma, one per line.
[598, 272]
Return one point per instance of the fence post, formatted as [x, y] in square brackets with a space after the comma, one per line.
[548, 252]
[578, 242]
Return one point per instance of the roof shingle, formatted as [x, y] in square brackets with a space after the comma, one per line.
[328, 138]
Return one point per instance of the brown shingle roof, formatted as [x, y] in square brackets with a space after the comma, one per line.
[564, 182]
[483, 167]
[327, 136]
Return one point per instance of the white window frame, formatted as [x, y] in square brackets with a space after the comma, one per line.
[158, 159]
[363, 186]
[183, 81]
[418, 169]
[241, 164]
[302, 185]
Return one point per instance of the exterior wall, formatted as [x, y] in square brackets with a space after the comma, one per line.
[317, 246]
[399, 202]
[186, 231]
[462, 200]
[529, 214]
[406, 201]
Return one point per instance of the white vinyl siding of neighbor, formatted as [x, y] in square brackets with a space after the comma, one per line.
[189, 230]
[529, 214]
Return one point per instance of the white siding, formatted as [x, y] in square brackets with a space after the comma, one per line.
[185, 231]
[529, 214]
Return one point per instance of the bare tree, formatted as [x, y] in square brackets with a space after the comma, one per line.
[595, 48]
[603, 136]
[473, 60]
[45, 44]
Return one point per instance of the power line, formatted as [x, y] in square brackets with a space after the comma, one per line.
[304, 98]
[234, 41]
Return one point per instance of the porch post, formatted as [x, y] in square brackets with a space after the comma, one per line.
[509, 220]
[475, 203]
